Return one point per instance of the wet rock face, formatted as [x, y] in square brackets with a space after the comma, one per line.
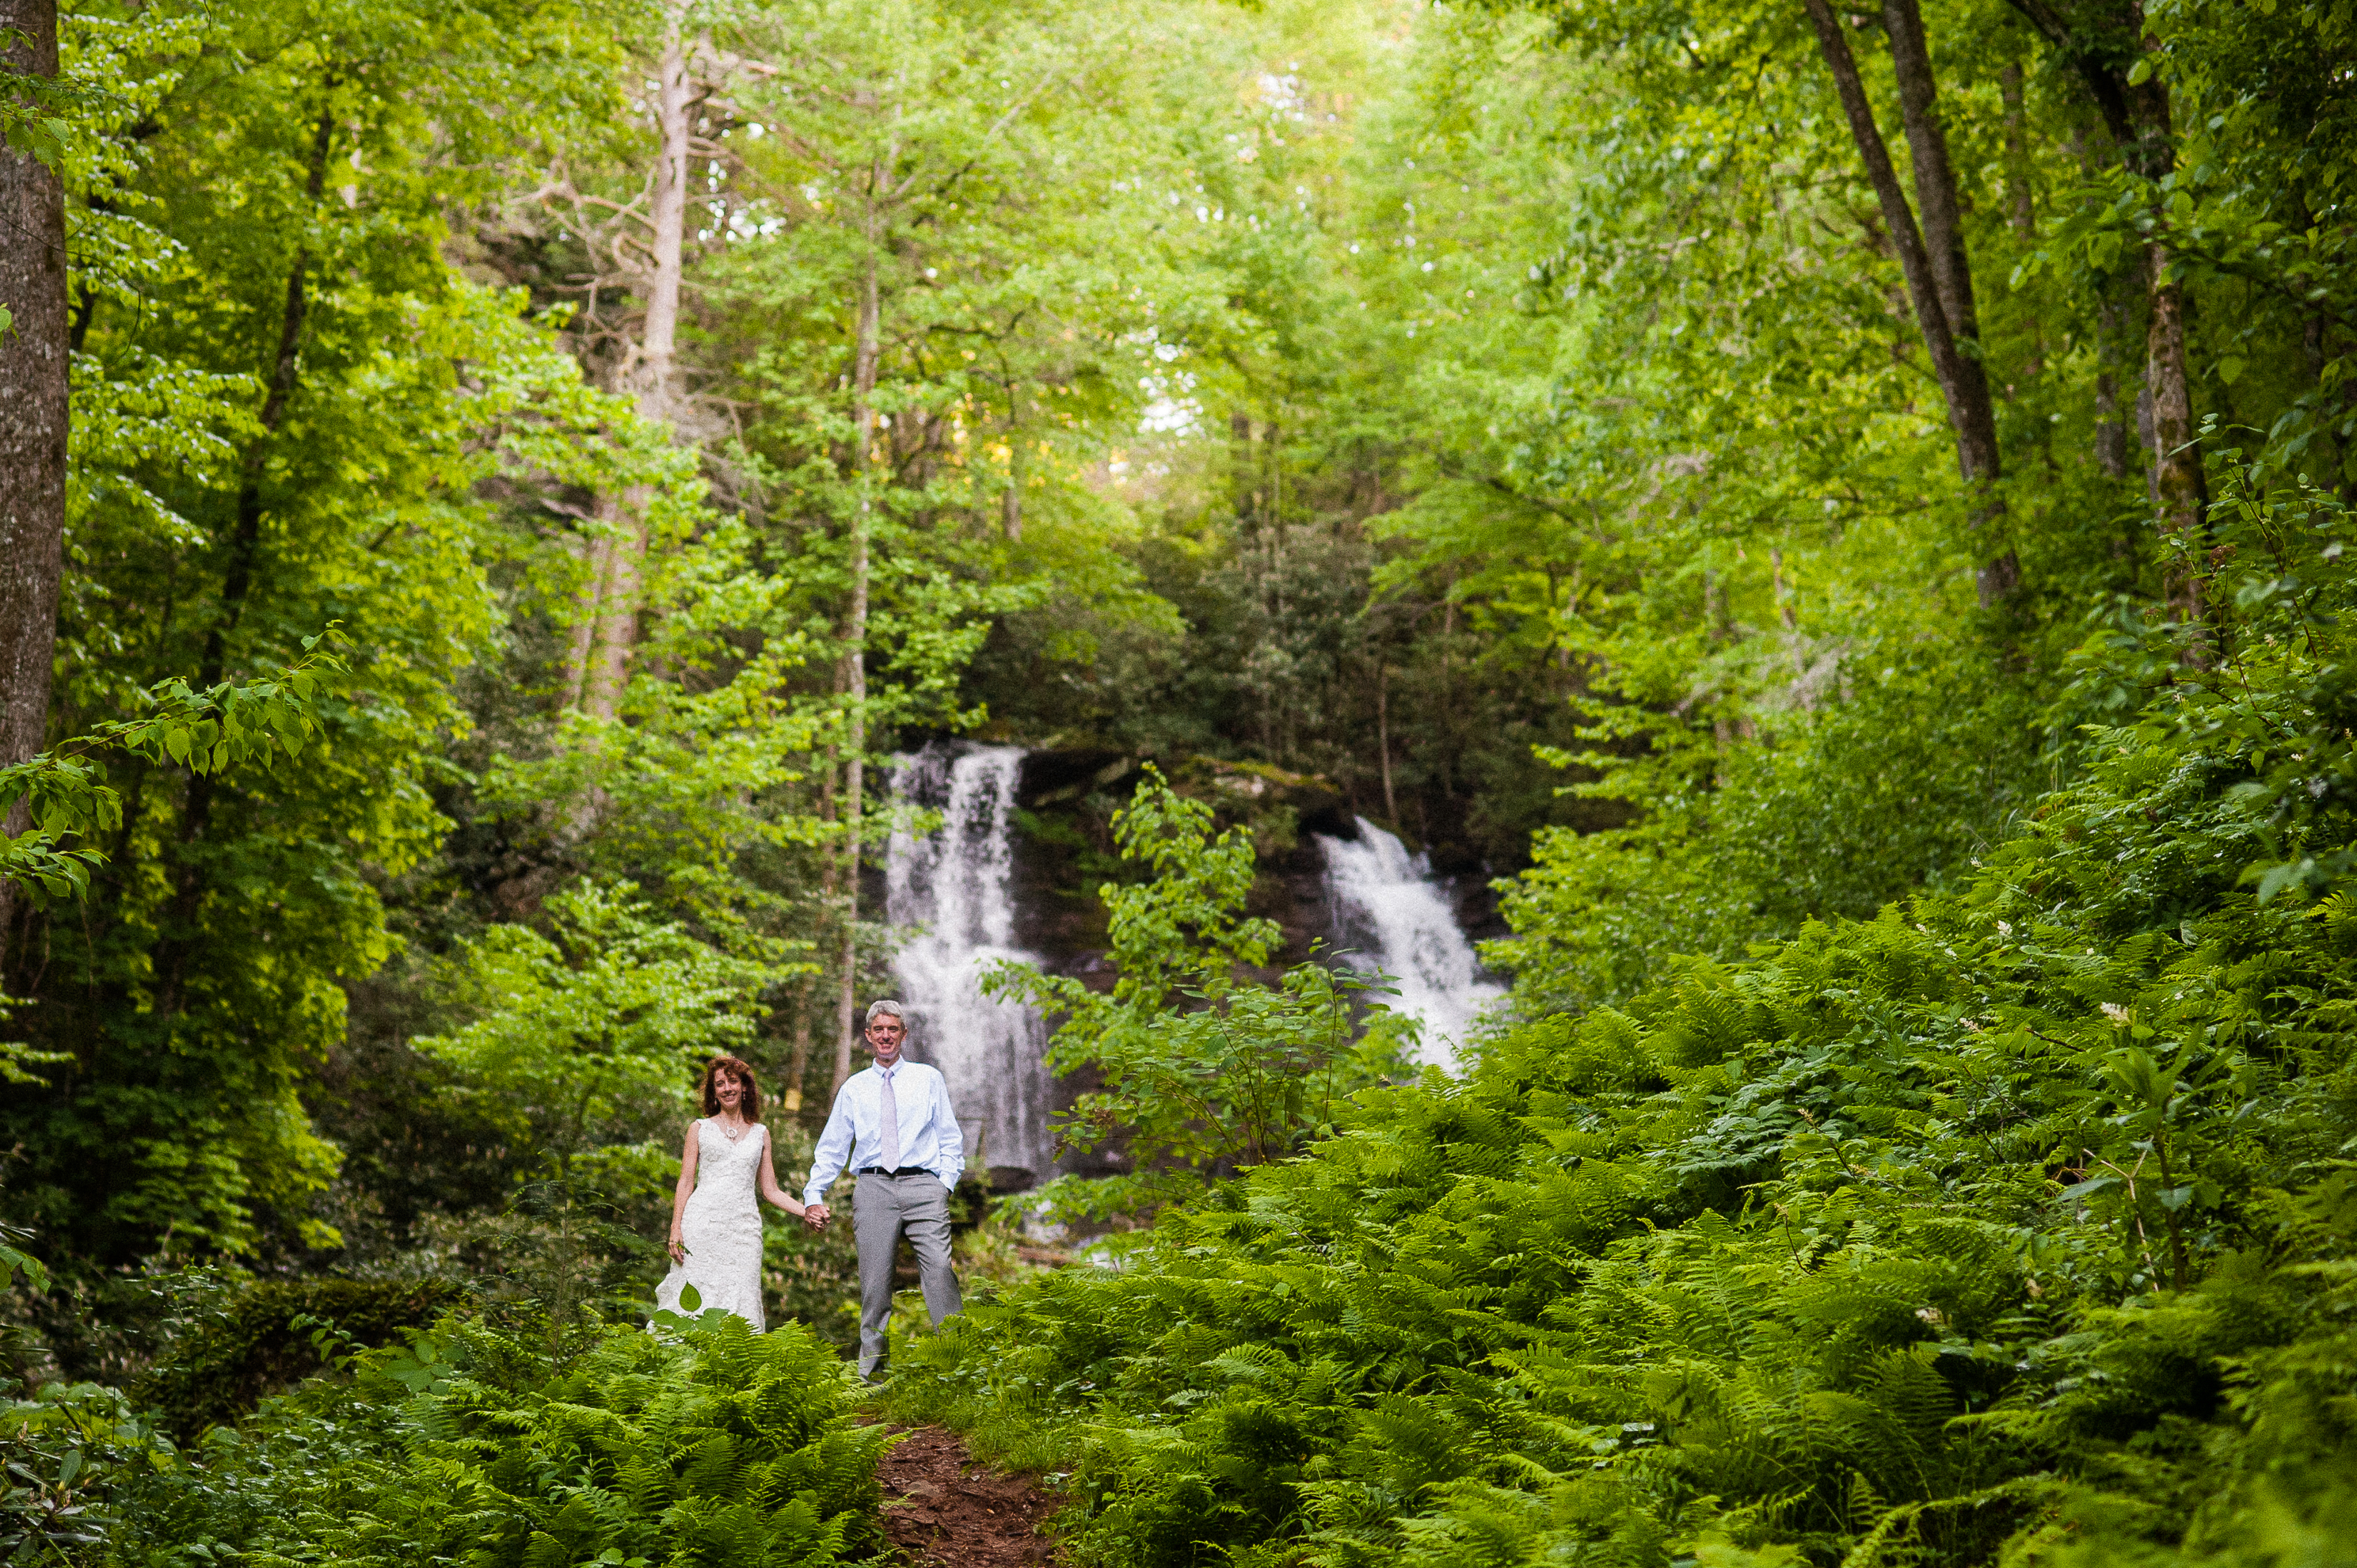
[1064, 851]
[1020, 878]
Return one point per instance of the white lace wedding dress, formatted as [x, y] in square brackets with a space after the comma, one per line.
[721, 1226]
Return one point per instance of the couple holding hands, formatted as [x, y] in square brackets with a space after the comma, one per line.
[892, 1122]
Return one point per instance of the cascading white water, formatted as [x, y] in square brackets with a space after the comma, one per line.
[1390, 915]
[951, 886]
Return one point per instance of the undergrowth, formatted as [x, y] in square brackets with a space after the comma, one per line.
[2016, 1224]
[710, 1445]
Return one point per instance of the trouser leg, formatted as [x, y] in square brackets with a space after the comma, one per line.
[876, 1222]
[925, 1216]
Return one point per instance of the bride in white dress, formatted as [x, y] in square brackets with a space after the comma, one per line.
[715, 1217]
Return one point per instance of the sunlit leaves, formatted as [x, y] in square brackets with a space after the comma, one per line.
[65, 789]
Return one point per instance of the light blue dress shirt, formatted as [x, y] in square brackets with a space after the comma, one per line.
[929, 1127]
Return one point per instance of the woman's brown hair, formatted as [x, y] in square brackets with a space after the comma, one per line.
[741, 1070]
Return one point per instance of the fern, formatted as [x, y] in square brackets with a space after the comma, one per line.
[724, 1447]
[2007, 1226]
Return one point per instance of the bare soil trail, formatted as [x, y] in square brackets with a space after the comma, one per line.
[944, 1509]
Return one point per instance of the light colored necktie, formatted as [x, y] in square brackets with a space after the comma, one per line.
[888, 1136]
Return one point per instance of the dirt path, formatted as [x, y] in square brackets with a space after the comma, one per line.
[944, 1509]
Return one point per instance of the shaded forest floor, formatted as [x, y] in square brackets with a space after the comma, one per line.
[944, 1509]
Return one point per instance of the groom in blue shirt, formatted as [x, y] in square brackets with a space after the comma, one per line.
[895, 1125]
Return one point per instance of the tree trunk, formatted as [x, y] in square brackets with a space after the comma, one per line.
[828, 879]
[2181, 491]
[33, 355]
[657, 370]
[581, 643]
[179, 926]
[2111, 326]
[1935, 196]
[2103, 51]
[2111, 423]
[1384, 741]
[2020, 202]
[1013, 505]
[798, 1062]
[1240, 471]
[613, 624]
[654, 383]
[863, 420]
[1938, 273]
[1971, 406]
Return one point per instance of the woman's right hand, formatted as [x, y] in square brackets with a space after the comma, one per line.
[678, 1250]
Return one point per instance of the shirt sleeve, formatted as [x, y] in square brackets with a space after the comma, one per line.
[833, 1148]
[948, 1139]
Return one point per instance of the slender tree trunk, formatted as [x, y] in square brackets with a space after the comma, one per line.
[2111, 334]
[828, 879]
[653, 382]
[2181, 491]
[1384, 740]
[1240, 471]
[2313, 331]
[581, 643]
[2111, 421]
[2138, 117]
[33, 356]
[798, 1063]
[1935, 194]
[237, 573]
[2020, 201]
[1961, 381]
[1971, 408]
[862, 419]
[657, 371]
[1013, 505]
[615, 626]
[245, 537]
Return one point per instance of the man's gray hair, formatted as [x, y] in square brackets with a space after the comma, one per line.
[878, 1009]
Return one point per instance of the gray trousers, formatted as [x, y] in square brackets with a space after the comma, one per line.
[882, 1209]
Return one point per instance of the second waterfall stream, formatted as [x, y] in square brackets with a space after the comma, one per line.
[1391, 915]
[951, 894]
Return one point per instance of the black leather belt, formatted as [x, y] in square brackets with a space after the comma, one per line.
[904, 1170]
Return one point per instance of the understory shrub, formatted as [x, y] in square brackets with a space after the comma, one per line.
[269, 1337]
[711, 1445]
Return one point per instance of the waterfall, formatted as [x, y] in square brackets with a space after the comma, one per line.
[950, 890]
[1390, 915]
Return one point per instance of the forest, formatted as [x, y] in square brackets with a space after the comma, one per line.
[1828, 521]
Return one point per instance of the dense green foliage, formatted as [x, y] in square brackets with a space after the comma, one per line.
[2016, 1221]
[1920, 1127]
[1198, 1072]
[267, 1339]
[712, 1446]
